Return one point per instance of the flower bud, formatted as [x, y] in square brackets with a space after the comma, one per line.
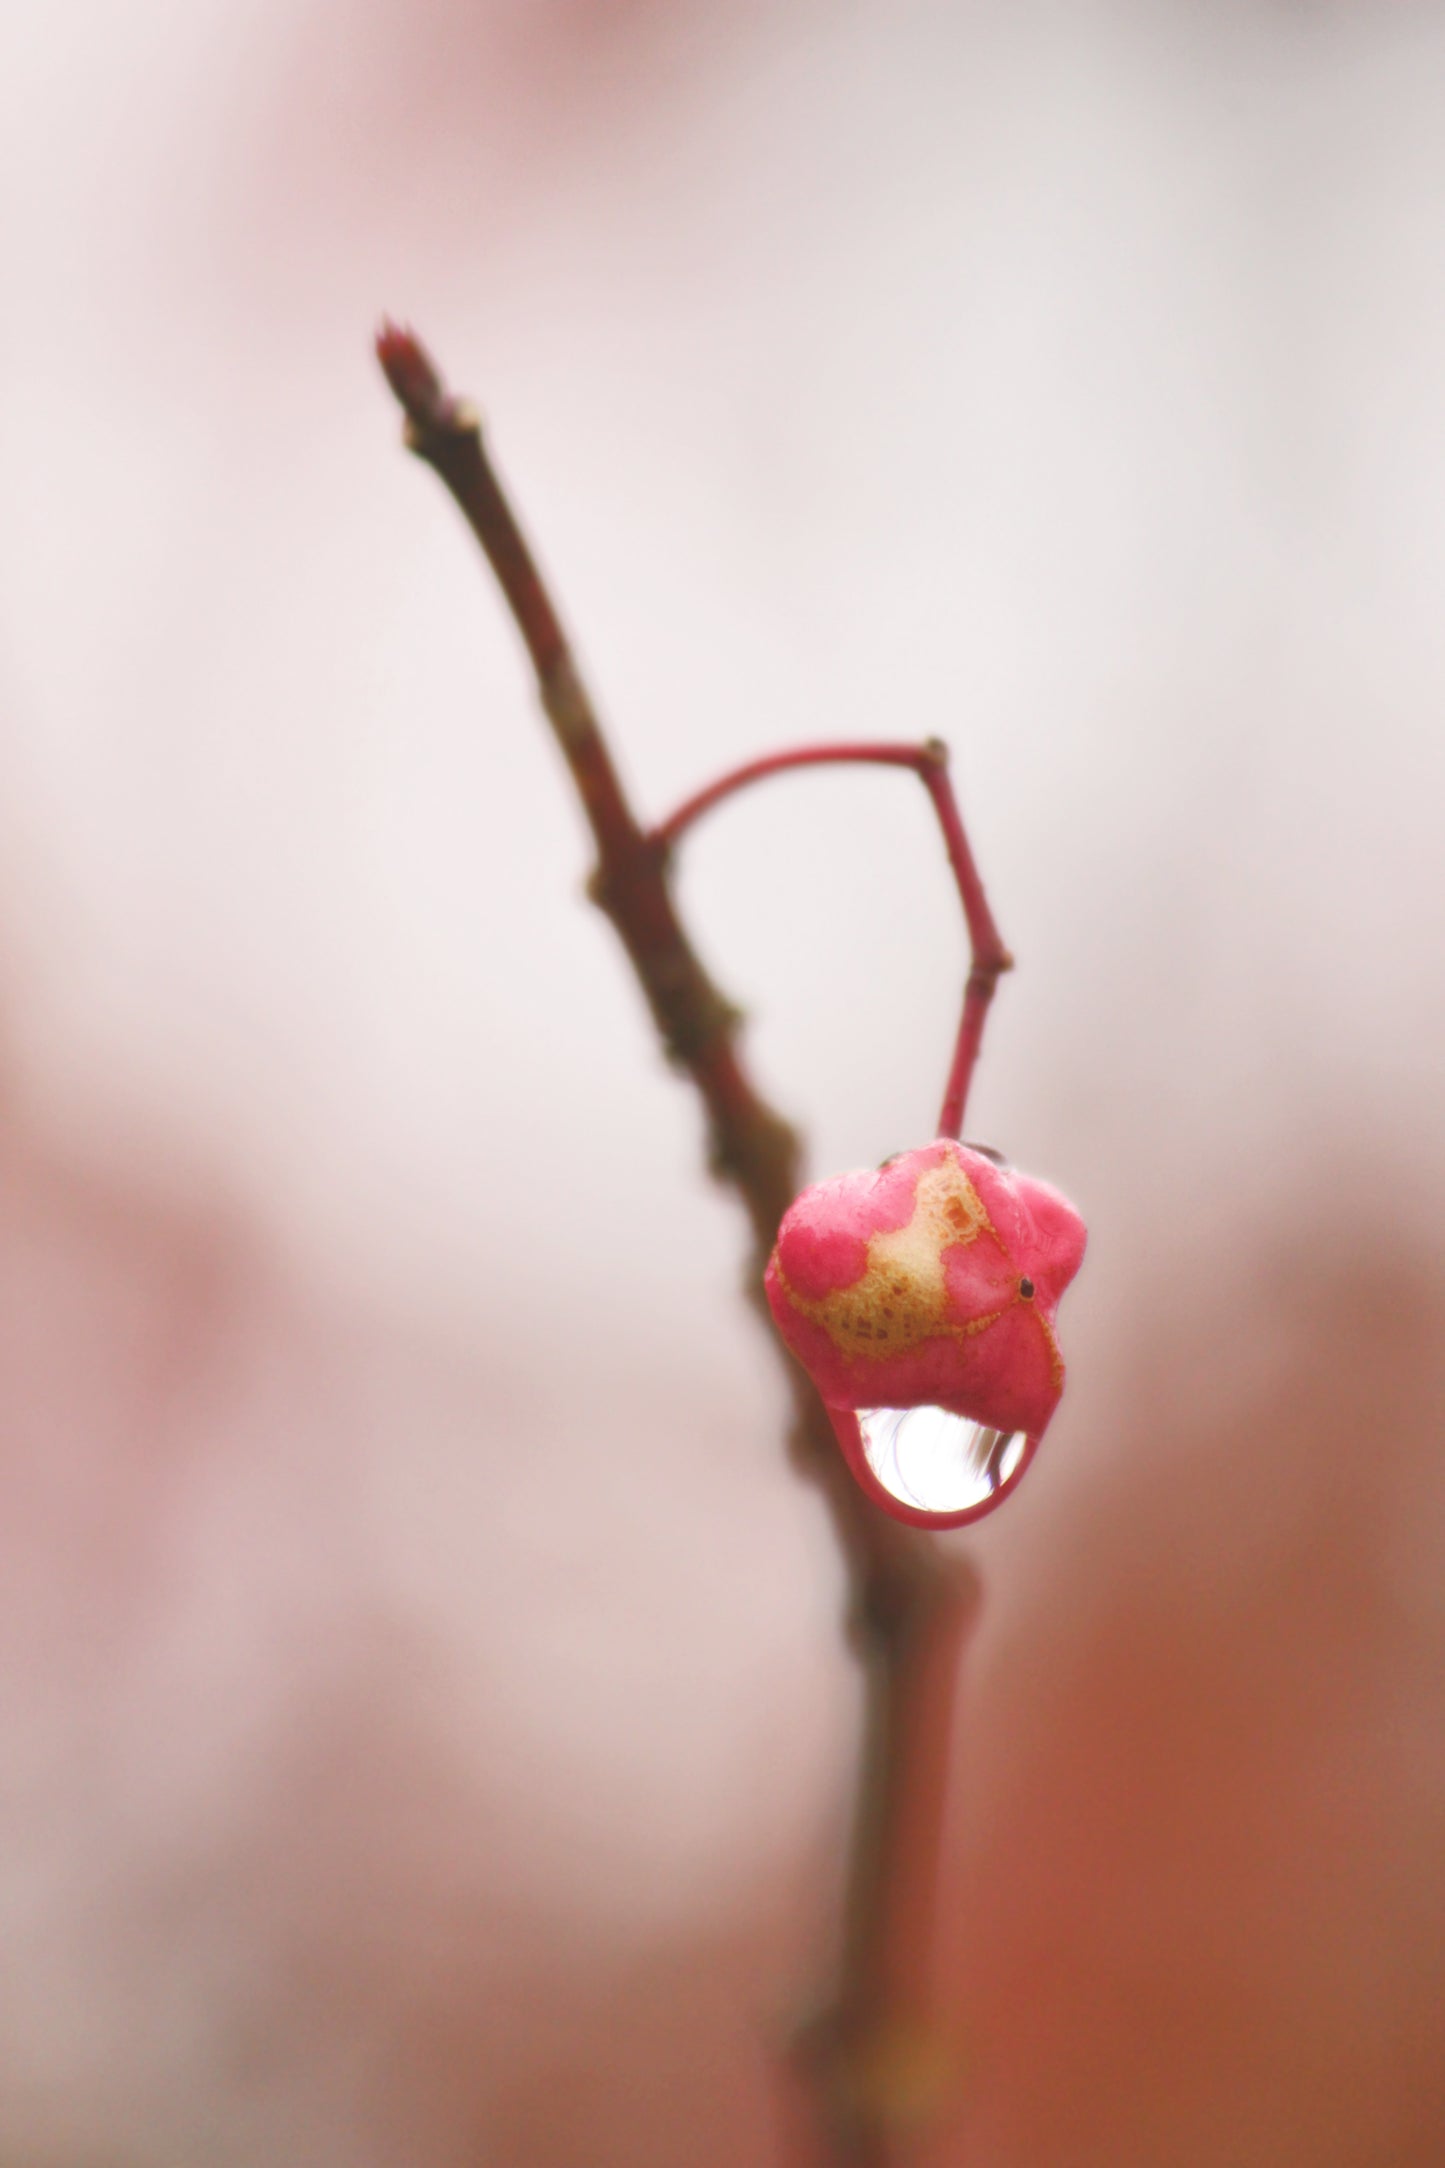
[921, 1300]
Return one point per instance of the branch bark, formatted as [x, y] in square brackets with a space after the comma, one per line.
[869, 2056]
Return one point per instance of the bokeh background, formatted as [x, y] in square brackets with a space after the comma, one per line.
[425, 1732]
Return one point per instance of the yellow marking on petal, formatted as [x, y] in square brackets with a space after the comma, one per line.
[901, 1299]
[1056, 1360]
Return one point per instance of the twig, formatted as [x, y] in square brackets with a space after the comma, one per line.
[909, 1599]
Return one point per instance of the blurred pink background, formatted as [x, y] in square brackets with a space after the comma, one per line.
[425, 1732]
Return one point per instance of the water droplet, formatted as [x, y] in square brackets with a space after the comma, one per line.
[938, 1461]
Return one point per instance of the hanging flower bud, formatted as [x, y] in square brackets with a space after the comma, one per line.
[921, 1301]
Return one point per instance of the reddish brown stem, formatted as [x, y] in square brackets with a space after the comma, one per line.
[988, 959]
[905, 1590]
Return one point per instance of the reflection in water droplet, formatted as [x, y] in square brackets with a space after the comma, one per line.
[942, 1462]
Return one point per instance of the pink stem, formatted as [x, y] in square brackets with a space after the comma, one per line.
[988, 956]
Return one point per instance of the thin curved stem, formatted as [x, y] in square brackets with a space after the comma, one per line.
[988, 959]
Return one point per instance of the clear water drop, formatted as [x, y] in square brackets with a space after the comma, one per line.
[933, 1459]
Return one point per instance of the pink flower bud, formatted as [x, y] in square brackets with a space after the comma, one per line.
[921, 1301]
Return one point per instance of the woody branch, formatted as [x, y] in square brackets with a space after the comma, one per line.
[910, 1600]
